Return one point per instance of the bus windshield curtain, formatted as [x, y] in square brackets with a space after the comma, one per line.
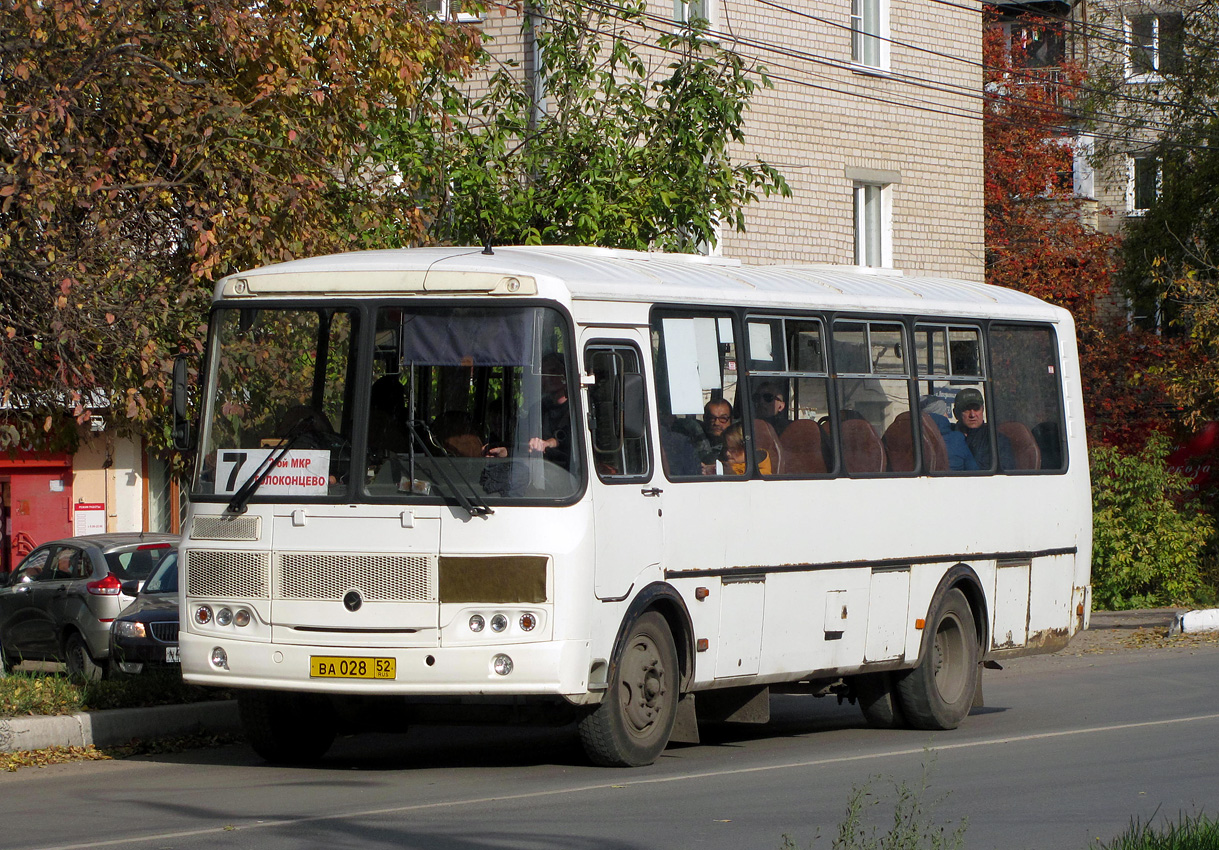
[468, 338]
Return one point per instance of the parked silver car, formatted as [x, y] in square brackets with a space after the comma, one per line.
[59, 602]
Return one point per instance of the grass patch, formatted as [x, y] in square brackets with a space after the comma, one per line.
[1188, 833]
[25, 693]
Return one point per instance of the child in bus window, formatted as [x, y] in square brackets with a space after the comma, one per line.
[734, 453]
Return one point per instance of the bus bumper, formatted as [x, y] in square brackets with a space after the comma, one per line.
[544, 668]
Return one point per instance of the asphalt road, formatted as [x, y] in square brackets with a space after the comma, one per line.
[1069, 749]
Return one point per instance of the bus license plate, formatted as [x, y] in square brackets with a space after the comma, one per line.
[342, 667]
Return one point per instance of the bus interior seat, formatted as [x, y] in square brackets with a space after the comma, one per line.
[935, 450]
[862, 450]
[899, 443]
[1024, 447]
[767, 440]
[801, 446]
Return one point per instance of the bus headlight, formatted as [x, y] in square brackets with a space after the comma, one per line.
[501, 664]
[242, 617]
[498, 623]
[220, 658]
[203, 614]
[224, 617]
[528, 622]
[477, 623]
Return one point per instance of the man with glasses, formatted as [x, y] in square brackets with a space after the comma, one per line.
[717, 416]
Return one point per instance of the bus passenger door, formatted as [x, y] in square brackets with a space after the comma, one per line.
[626, 504]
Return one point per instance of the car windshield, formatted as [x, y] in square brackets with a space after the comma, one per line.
[164, 578]
[135, 563]
[459, 403]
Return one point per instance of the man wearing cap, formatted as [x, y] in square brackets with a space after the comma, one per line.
[969, 411]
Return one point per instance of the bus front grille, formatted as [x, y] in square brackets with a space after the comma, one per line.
[378, 578]
[227, 575]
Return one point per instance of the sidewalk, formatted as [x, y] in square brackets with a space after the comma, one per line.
[116, 726]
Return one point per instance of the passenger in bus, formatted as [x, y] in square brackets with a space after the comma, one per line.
[555, 441]
[969, 410]
[734, 453]
[770, 405]
[960, 458]
[717, 416]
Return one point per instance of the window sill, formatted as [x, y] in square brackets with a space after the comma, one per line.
[871, 70]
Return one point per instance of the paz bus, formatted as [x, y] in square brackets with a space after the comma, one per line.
[631, 491]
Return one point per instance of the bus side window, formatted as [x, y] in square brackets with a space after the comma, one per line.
[696, 385]
[617, 412]
[1028, 397]
[872, 363]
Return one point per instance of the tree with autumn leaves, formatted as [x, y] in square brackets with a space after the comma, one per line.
[149, 146]
[1039, 238]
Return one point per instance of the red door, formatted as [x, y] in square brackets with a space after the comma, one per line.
[40, 503]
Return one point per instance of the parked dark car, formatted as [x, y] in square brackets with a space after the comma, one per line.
[60, 601]
[145, 636]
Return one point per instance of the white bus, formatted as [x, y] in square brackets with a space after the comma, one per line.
[634, 491]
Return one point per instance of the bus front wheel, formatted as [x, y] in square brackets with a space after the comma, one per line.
[938, 693]
[287, 728]
[631, 726]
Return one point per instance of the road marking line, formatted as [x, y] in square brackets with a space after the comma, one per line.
[618, 783]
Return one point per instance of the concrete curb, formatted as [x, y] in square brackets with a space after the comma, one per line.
[116, 726]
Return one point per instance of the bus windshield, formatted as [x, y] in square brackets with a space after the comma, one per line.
[464, 405]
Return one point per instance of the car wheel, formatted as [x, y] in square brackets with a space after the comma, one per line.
[81, 665]
[6, 664]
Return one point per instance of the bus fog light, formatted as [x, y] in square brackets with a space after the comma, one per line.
[477, 623]
[203, 615]
[502, 664]
[242, 617]
[220, 658]
[498, 623]
[528, 622]
[224, 617]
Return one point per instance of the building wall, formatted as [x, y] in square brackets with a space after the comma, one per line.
[824, 124]
[824, 121]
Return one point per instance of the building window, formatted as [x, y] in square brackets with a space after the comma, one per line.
[1153, 45]
[450, 10]
[872, 225]
[870, 33]
[1144, 184]
[686, 13]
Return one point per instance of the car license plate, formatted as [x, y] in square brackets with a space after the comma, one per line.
[173, 655]
[343, 667]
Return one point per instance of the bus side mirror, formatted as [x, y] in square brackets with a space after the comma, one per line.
[634, 422]
[182, 435]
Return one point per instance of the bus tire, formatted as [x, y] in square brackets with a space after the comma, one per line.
[939, 692]
[876, 694]
[631, 726]
[287, 728]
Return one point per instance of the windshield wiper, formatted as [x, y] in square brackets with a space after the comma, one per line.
[473, 504]
[238, 503]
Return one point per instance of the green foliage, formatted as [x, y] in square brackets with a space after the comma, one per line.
[23, 693]
[1188, 833]
[912, 827]
[1148, 544]
[596, 146]
[149, 146]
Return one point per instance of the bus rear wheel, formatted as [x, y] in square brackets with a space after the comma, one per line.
[287, 728]
[938, 693]
[631, 726]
